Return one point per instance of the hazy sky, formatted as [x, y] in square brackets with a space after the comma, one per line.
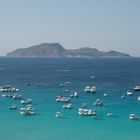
[101, 24]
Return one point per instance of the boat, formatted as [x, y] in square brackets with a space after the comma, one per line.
[105, 95]
[109, 114]
[26, 111]
[13, 107]
[129, 93]
[16, 96]
[133, 117]
[98, 102]
[62, 99]
[86, 112]
[139, 98]
[58, 115]
[92, 77]
[123, 97]
[27, 101]
[89, 89]
[137, 88]
[67, 106]
[75, 94]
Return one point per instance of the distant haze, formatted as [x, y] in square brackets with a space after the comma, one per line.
[102, 24]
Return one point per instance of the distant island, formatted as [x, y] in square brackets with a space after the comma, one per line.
[57, 50]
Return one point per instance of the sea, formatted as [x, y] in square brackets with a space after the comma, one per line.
[111, 76]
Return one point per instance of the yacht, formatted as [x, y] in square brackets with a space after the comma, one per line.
[133, 117]
[86, 112]
[27, 101]
[98, 102]
[75, 94]
[26, 111]
[67, 106]
[58, 115]
[89, 89]
[129, 93]
[13, 107]
[137, 88]
[62, 99]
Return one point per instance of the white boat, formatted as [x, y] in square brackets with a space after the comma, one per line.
[139, 98]
[86, 112]
[137, 88]
[89, 89]
[26, 111]
[16, 96]
[28, 101]
[58, 115]
[109, 114]
[62, 99]
[67, 106]
[105, 95]
[13, 107]
[133, 117]
[98, 102]
[123, 97]
[129, 93]
[75, 94]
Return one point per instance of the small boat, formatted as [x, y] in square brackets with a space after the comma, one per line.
[13, 107]
[139, 98]
[66, 90]
[62, 99]
[129, 93]
[123, 97]
[26, 111]
[109, 114]
[137, 88]
[89, 89]
[98, 102]
[28, 101]
[133, 117]
[75, 94]
[58, 115]
[105, 95]
[16, 96]
[67, 106]
[62, 85]
[86, 112]
[92, 77]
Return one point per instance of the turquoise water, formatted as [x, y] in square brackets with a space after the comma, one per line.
[112, 76]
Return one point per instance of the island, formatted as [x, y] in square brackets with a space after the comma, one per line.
[57, 50]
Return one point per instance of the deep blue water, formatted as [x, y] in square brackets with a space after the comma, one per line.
[112, 76]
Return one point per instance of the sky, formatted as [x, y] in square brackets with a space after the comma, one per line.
[102, 24]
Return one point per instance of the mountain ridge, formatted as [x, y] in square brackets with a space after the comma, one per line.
[57, 50]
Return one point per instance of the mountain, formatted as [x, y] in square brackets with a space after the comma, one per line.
[57, 50]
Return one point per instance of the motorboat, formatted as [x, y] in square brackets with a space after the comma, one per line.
[105, 95]
[26, 111]
[27, 101]
[62, 99]
[75, 94]
[13, 107]
[86, 112]
[67, 106]
[123, 97]
[139, 98]
[89, 89]
[16, 96]
[129, 93]
[133, 117]
[58, 115]
[109, 114]
[137, 88]
[98, 102]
